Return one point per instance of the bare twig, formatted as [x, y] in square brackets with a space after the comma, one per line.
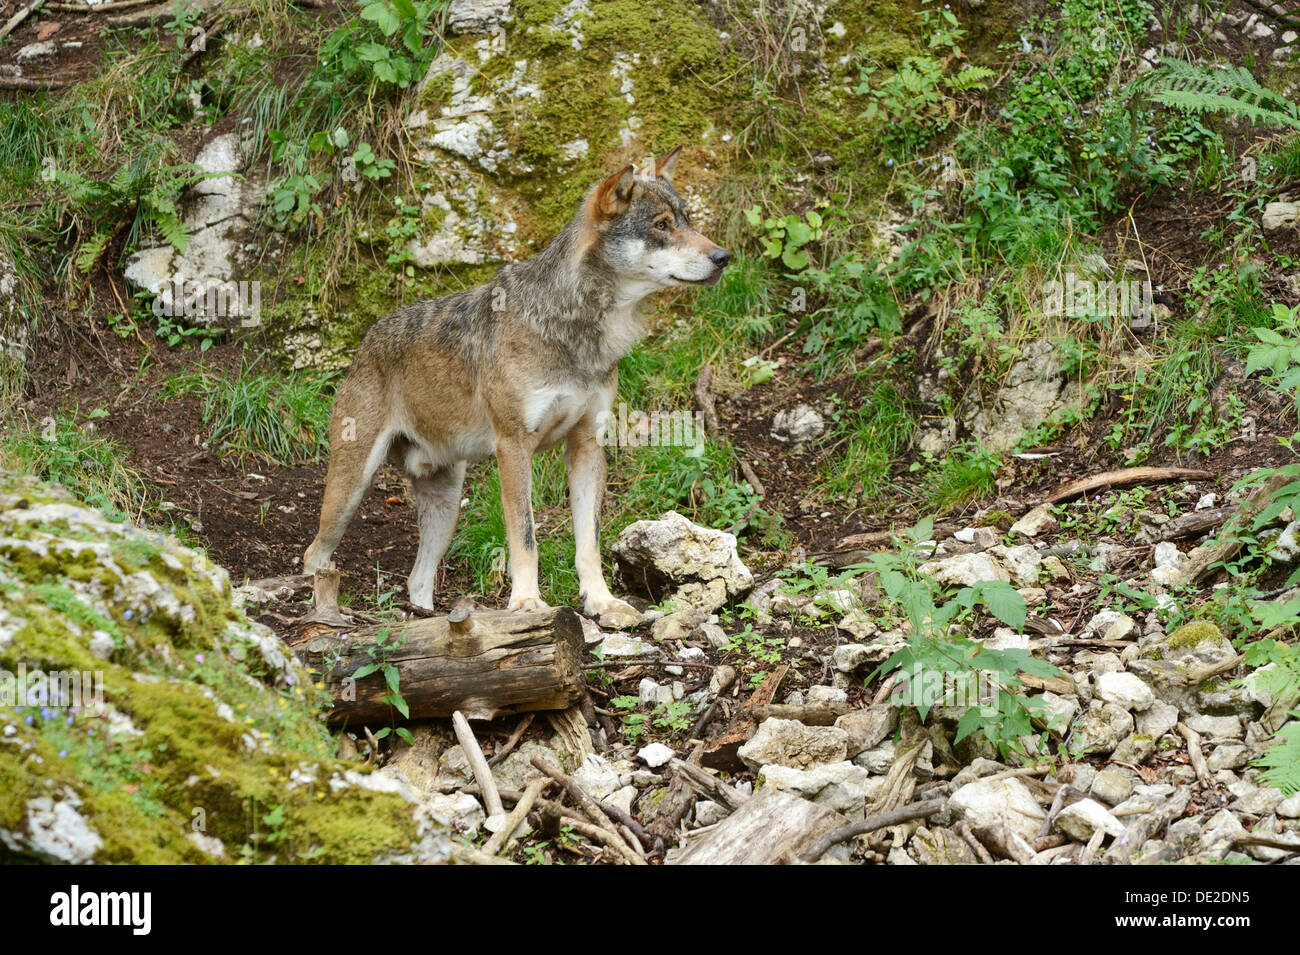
[1196, 755]
[517, 815]
[474, 753]
[525, 722]
[884, 820]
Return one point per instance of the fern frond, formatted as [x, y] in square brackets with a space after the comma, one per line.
[1232, 90]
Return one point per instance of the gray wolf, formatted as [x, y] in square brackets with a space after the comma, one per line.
[512, 368]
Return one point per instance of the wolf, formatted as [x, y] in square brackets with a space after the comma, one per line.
[512, 368]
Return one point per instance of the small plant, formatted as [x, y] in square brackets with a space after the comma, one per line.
[785, 238]
[937, 657]
[385, 643]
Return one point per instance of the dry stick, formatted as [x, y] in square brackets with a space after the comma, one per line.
[496, 812]
[19, 17]
[977, 847]
[585, 803]
[917, 810]
[517, 815]
[1002, 843]
[1196, 755]
[510, 744]
[606, 838]
[702, 781]
[1272, 842]
[23, 83]
[1058, 804]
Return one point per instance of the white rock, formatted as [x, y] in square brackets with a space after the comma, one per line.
[1022, 561]
[1157, 720]
[791, 743]
[1082, 819]
[1112, 625]
[987, 803]
[698, 565]
[1124, 689]
[841, 786]
[1035, 522]
[798, 424]
[1280, 215]
[965, 570]
[655, 755]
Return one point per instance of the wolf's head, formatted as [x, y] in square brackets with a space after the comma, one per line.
[645, 234]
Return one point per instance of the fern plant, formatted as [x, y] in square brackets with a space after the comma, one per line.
[139, 195]
[1231, 90]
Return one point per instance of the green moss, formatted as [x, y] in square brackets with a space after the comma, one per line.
[1002, 520]
[1194, 634]
[197, 723]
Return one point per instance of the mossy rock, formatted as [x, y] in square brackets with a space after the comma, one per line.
[145, 719]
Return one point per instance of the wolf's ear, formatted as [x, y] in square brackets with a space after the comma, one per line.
[665, 164]
[614, 194]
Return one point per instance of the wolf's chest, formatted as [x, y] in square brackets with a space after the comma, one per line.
[551, 411]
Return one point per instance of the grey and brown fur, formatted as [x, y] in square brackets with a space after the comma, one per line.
[512, 368]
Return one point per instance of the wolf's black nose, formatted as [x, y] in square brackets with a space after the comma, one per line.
[719, 257]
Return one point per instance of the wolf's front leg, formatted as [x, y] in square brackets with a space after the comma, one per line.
[585, 459]
[515, 464]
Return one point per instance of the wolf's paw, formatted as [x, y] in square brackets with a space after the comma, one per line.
[527, 603]
[613, 613]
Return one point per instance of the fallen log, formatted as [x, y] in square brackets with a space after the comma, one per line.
[771, 826]
[1124, 478]
[1195, 523]
[486, 664]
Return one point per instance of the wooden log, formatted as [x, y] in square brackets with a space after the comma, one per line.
[1239, 526]
[486, 664]
[1124, 478]
[773, 825]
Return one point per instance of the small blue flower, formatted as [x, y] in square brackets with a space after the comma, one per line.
[63, 754]
[30, 721]
[127, 614]
[70, 719]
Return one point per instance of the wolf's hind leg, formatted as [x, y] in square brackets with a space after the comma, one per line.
[437, 501]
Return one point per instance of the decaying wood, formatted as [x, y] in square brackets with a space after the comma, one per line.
[917, 810]
[667, 814]
[1235, 529]
[503, 662]
[720, 753]
[710, 786]
[1195, 523]
[1145, 826]
[1273, 842]
[1124, 478]
[772, 826]
[1005, 844]
[1196, 755]
[810, 714]
[963, 829]
[1201, 674]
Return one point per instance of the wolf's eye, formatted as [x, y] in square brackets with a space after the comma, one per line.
[662, 225]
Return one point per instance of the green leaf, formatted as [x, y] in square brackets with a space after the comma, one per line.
[364, 671]
[1004, 603]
